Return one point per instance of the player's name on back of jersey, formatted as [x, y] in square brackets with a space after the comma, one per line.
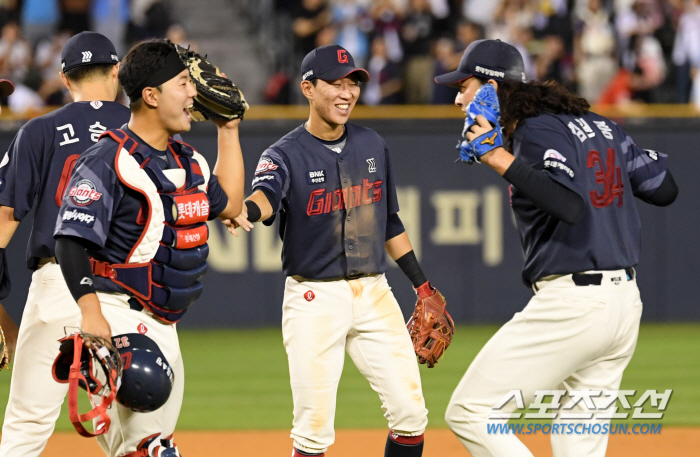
[324, 202]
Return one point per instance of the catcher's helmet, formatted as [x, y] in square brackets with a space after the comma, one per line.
[93, 364]
[147, 379]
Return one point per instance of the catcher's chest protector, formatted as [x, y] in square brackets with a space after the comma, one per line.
[163, 269]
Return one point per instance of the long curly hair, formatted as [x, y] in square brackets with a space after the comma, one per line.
[520, 101]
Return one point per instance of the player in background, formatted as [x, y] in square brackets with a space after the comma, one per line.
[133, 250]
[573, 175]
[35, 173]
[332, 184]
[8, 326]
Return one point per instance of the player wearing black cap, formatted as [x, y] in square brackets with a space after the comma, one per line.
[573, 175]
[332, 184]
[34, 173]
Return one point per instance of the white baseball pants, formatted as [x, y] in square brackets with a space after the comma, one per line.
[568, 337]
[362, 317]
[36, 398]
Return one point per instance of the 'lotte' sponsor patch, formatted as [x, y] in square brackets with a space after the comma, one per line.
[316, 177]
[81, 216]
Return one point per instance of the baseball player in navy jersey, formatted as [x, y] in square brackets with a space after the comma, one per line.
[133, 248]
[573, 175]
[332, 184]
[34, 173]
[7, 325]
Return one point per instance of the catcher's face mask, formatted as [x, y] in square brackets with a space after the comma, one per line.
[91, 363]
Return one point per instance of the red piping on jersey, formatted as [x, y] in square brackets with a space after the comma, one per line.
[68, 167]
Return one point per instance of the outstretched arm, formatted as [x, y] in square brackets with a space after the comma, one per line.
[229, 167]
[256, 208]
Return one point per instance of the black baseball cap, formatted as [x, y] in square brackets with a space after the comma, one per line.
[87, 48]
[491, 59]
[329, 63]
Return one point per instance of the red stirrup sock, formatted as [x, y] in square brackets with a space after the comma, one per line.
[403, 446]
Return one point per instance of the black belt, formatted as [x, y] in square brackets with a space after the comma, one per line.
[298, 278]
[591, 279]
[596, 279]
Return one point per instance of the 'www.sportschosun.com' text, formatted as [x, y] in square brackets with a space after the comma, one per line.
[573, 429]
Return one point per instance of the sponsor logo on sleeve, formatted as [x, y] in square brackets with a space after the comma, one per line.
[262, 178]
[653, 155]
[81, 216]
[264, 166]
[316, 177]
[553, 164]
[555, 161]
[84, 193]
[554, 154]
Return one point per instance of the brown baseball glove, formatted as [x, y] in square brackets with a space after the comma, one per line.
[4, 353]
[431, 327]
[217, 96]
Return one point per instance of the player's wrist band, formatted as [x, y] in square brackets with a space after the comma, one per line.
[410, 267]
[253, 210]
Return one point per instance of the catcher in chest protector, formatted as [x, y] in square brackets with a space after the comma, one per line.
[133, 249]
[332, 184]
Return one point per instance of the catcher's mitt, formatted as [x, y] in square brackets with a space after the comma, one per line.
[217, 97]
[4, 353]
[431, 327]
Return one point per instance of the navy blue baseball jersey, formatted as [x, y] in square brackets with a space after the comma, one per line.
[107, 213]
[36, 168]
[595, 158]
[334, 205]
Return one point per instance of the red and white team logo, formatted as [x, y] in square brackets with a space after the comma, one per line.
[142, 328]
[84, 193]
[264, 166]
[309, 295]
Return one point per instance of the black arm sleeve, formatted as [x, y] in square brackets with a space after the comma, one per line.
[75, 266]
[410, 267]
[253, 211]
[665, 194]
[550, 196]
[394, 226]
[5, 284]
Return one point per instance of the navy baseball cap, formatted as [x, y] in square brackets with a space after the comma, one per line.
[491, 59]
[87, 48]
[329, 63]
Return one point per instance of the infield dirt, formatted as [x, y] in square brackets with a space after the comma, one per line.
[673, 441]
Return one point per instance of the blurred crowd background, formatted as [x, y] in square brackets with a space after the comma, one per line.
[609, 51]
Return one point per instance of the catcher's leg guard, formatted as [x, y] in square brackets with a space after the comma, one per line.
[152, 447]
[403, 446]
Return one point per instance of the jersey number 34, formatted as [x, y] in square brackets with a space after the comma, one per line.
[609, 176]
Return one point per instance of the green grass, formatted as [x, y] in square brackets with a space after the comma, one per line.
[238, 379]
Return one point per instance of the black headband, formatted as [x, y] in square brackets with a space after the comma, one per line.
[172, 67]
